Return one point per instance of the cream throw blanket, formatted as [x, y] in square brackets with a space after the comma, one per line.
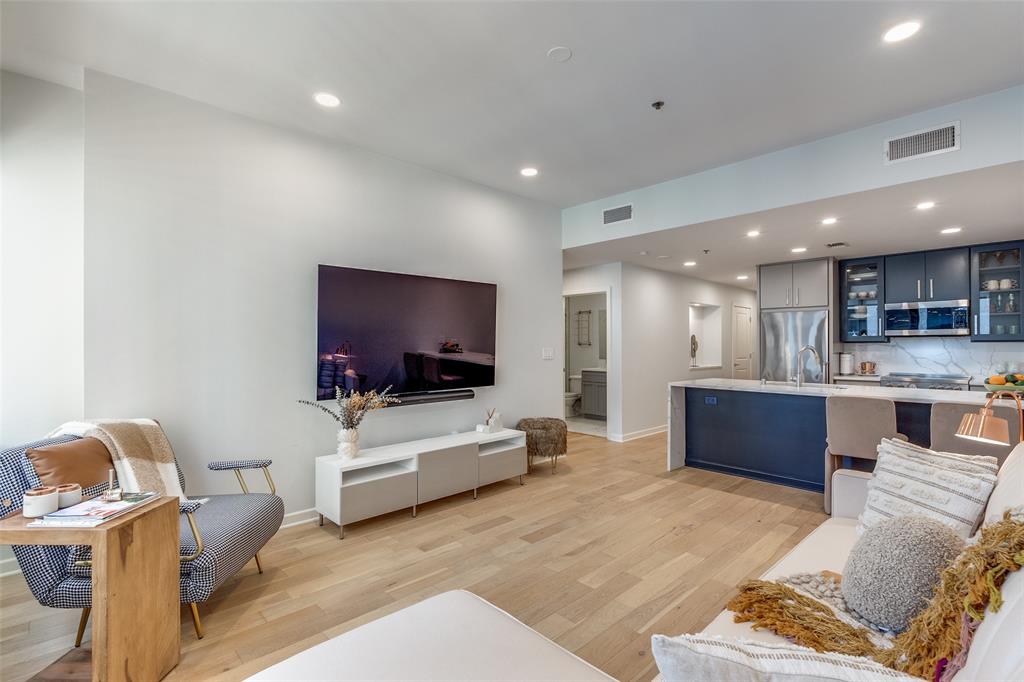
[142, 455]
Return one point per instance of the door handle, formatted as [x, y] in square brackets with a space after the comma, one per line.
[919, 289]
[975, 324]
[931, 288]
[881, 329]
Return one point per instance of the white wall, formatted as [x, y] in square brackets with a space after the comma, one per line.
[649, 342]
[991, 133]
[203, 232]
[656, 340]
[585, 357]
[41, 251]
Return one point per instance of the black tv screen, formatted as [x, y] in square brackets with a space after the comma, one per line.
[413, 333]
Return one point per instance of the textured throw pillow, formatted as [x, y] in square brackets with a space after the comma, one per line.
[952, 489]
[893, 568]
[689, 658]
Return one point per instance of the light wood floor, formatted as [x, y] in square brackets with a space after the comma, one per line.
[597, 557]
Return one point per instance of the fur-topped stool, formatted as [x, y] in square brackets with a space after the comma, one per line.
[545, 437]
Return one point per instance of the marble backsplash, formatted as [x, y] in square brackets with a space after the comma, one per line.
[945, 355]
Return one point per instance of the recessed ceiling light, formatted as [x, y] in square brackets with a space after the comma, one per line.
[690, 263]
[950, 230]
[925, 205]
[742, 277]
[799, 249]
[829, 221]
[528, 172]
[326, 99]
[901, 31]
[560, 54]
[753, 233]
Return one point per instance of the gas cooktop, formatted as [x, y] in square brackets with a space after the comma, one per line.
[949, 382]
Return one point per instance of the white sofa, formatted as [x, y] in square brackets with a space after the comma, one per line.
[459, 636]
[997, 652]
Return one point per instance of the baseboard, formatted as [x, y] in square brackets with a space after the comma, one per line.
[296, 518]
[633, 435]
[9, 566]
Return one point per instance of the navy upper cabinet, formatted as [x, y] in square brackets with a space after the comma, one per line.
[904, 278]
[997, 271]
[928, 276]
[863, 290]
[948, 274]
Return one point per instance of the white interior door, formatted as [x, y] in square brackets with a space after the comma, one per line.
[742, 342]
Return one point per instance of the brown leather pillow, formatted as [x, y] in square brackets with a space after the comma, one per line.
[85, 461]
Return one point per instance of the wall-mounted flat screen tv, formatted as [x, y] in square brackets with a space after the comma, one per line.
[416, 334]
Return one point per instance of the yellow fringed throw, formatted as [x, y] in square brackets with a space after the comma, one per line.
[969, 585]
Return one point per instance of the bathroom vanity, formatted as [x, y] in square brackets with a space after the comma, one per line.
[595, 393]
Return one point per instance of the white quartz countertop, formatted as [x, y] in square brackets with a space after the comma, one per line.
[903, 395]
[858, 377]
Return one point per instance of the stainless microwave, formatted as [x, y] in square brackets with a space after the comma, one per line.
[928, 318]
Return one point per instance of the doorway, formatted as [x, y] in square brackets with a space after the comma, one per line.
[585, 368]
[742, 342]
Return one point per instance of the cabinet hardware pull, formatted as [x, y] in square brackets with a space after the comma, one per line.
[919, 288]
[797, 296]
[931, 288]
[975, 324]
[787, 296]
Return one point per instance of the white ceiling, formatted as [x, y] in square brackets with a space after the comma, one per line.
[465, 87]
[988, 204]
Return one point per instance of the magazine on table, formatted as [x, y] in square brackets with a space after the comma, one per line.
[92, 513]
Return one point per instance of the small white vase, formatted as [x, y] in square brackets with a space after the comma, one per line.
[348, 443]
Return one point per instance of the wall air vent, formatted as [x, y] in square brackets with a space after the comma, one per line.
[938, 140]
[618, 214]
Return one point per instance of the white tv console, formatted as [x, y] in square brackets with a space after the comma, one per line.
[393, 477]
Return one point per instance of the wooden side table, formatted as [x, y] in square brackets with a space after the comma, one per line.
[135, 595]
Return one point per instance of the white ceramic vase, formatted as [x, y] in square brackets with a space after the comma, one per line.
[348, 443]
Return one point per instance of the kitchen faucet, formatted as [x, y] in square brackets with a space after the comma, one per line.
[799, 366]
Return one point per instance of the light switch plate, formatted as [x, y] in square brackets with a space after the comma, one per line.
[547, 353]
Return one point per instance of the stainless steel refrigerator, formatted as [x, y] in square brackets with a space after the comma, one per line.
[783, 333]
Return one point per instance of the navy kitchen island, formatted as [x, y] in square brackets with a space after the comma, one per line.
[776, 432]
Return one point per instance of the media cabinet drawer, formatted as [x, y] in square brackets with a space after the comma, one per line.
[447, 471]
[499, 464]
[377, 496]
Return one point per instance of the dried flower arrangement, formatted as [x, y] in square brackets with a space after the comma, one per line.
[353, 406]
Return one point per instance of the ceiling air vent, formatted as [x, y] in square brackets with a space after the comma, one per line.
[618, 214]
[836, 245]
[938, 140]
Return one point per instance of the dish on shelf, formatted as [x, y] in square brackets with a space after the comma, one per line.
[1004, 387]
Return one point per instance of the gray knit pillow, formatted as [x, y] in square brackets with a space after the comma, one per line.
[894, 567]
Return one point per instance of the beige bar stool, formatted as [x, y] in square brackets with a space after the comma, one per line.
[946, 419]
[854, 427]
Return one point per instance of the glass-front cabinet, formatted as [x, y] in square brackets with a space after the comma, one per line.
[996, 276]
[863, 282]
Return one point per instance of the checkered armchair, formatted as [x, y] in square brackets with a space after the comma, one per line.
[219, 535]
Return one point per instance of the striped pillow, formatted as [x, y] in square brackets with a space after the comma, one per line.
[945, 486]
[692, 658]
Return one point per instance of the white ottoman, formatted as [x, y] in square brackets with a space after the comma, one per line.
[452, 636]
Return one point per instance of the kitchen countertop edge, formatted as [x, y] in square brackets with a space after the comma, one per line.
[903, 395]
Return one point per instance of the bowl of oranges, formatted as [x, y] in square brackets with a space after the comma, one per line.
[1005, 382]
